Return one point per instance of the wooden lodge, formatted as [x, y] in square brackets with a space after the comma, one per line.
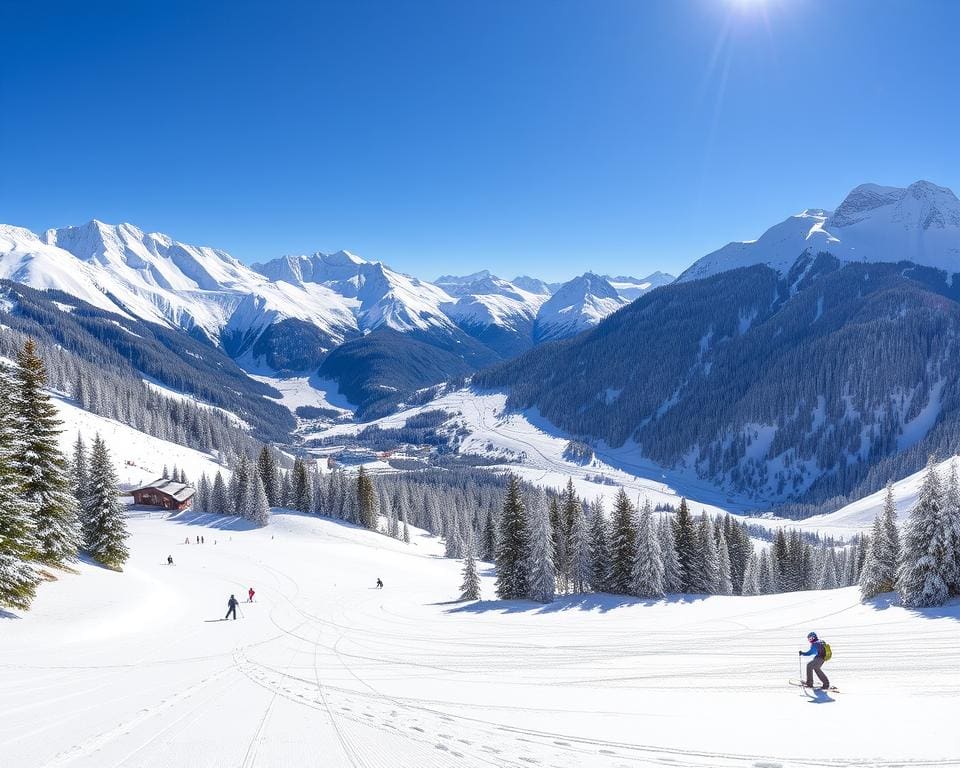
[167, 494]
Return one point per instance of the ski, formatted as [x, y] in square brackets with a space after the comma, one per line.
[799, 683]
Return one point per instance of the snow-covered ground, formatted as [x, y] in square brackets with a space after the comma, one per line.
[313, 391]
[136, 669]
[137, 456]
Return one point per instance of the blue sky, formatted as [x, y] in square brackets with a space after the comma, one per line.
[537, 137]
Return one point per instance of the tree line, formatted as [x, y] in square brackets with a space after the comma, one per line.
[49, 510]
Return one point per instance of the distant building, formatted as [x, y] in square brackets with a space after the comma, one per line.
[167, 494]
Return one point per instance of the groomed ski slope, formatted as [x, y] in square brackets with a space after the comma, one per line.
[135, 669]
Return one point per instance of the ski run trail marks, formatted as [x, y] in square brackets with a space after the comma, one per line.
[136, 669]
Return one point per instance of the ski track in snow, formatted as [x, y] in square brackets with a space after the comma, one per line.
[325, 670]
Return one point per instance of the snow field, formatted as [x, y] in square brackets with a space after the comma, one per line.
[136, 669]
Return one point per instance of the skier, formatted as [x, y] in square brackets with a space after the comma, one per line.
[186, 540]
[202, 540]
[169, 559]
[198, 539]
[231, 608]
[818, 651]
[250, 594]
[379, 583]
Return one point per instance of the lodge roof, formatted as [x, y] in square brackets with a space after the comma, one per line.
[179, 491]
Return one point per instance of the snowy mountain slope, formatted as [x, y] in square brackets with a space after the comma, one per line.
[535, 285]
[137, 667]
[137, 456]
[378, 295]
[577, 305]
[920, 223]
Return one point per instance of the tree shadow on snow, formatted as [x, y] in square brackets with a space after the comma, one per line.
[601, 603]
[5, 614]
[211, 520]
[949, 610]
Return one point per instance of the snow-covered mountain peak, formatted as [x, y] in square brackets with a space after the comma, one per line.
[576, 305]
[919, 223]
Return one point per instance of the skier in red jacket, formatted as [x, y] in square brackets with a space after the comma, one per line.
[250, 594]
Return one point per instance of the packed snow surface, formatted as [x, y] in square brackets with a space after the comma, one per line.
[138, 669]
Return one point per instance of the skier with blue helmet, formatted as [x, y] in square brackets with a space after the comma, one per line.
[818, 649]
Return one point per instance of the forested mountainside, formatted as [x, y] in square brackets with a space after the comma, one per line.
[815, 383]
[113, 344]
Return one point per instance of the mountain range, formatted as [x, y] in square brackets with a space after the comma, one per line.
[289, 314]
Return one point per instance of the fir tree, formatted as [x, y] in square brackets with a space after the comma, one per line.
[879, 572]
[40, 463]
[599, 551]
[648, 560]
[951, 532]
[725, 585]
[256, 505]
[559, 541]
[301, 487]
[78, 469]
[511, 545]
[470, 588]
[18, 578]
[270, 475]
[220, 502]
[366, 500]
[105, 529]
[920, 579]
[623, 544]
[239, 483]
[579, 553]
[751, 584]
[688, 551]
[672, 582]
[539, 567]
[201, 499]
[709, 558]
[765, 579]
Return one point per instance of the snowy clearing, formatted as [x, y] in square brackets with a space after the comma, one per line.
[313, 391]
[136, 669]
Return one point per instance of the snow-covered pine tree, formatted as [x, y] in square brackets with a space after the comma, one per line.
[470, 588]
[270, 474]
[878, 574]
[18, 578]
[201, 499]
[711, 559]
[256, 505]
[78, 469]
[512, 545]
[301, 487]
[893, 551]
[688, 550]
[451, 537]
[764, 574]
[951, 533]
[828, 577]
[398, 513]
[366, 500]
[318, 496]
[105, 524]
[239, 483]
[404, 524]
[672, 582]
[751, 585]
[579, 553]
[725, 586]
[623, 544]
[166, 472]
[568, 510]
[286, 490]
[559, 542]
[539, 567]
[920, 579]
[46, 480]
[599, 550]
[648, 560]
[220, 502]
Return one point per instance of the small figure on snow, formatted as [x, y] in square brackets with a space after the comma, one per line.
[202, 540]
[231, 608]
[250, 594]
[169, 559]
[198, 539]
[379, 583]
[818, 649]
[186, 540]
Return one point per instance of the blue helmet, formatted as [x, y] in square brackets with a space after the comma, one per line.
[812, 636]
